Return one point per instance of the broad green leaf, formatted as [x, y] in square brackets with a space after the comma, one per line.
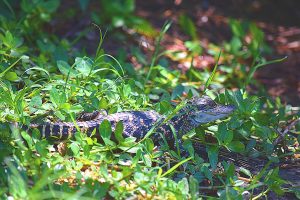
[11, 76]
[126, 90]
[59, 115]
[223, 135]
[105, 129]
[236, 146]
[187, 144]
[194, 187]
[41, 147]
[86, 150]
[83, 65]
[208, 174]
[27, 138]
[149, 144]
[147, 160]
[119, 132]
[188, 26]
[35, 104]
[212, 152]
[75, 148]
[183, 185]
[76, 108]
[56, 97]
[65, 69]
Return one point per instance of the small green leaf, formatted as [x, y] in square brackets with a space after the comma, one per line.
[75, 148]
[194, 187]
[65, 68]
[11, 76]
[164, 107]
[56, 97]
[187, 144]
[35, 104]
[236, 146]
[208, 174]
[147, 160]
[119, 132]
[41, 147]
[65, 106]
[75, 108]
[83, 65]
[27, 138]
[86, 150]
[149, 144]
[59, 115]
[212, 152]
[126, 90]
[223, 135]
[188, 26]
[103, 104]
[105, 129]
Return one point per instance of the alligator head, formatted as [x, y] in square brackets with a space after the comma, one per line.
[200, 110]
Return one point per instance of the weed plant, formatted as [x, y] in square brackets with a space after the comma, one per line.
[49, 82]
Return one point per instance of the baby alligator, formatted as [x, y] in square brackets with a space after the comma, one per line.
[138, 123]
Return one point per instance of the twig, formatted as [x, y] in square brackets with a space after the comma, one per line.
[286, 130]
[244, 179]
[261, 194]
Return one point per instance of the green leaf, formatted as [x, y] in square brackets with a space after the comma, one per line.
[194, 47]
[236, 146]
[65, 106]
[41, 147]
[86, 150]
[223, 135]
[35, 104]
[50, 5]
[194, 187]
[149, 144]
[188, 145]
[119, 131]
[188, 26]
[212, 152]
[126, 90]
[59, 115]
[65, 68]
[164, 107]
[27, 138]
[105, 129]
[103, 104]
[208, 174]
[75, 108]
[56, 97]
[147, 160]
[11, 76]
[75, 148]
[83, 65]
[183, 185]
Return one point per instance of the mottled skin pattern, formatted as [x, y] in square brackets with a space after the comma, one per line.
[137, 123]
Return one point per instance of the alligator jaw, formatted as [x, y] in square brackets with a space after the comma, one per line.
[212, 114]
